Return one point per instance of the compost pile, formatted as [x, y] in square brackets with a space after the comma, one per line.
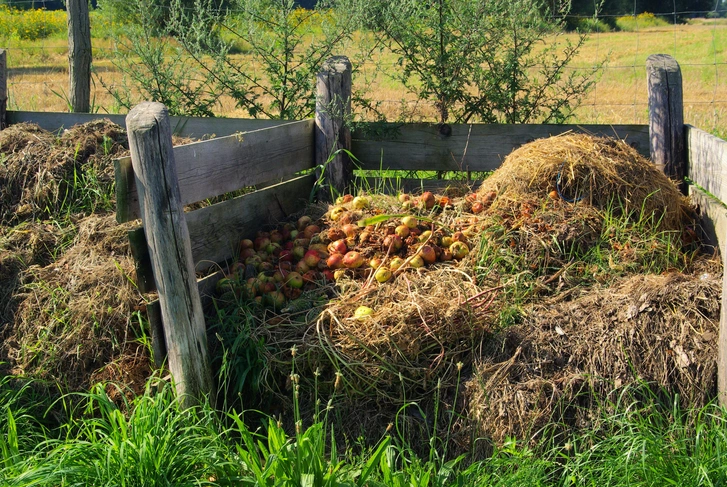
[387, 315]
[68, 299]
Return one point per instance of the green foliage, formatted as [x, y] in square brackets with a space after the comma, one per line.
[156, 443]
[156, 68]
[482, 60]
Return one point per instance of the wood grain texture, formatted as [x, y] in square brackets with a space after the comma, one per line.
[142, 260]
[206, 287]
[332, 134]
[714, 223]
[479, 147]
[195, 127]
[79, 55]
[666, 115]
[214, 167]
[215, 231]
[3, 88]
[165, 228]
[707, 161]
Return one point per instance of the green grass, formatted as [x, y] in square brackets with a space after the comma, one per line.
[151, 441]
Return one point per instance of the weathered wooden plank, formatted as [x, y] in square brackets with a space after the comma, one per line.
[666, 115]
[215, 231]
[214, 167]
[332, 134]
[206, 287]
[411, 185]
[142, 260]
[479, 147]
[3, 88]
[714, 223]
[150, 141]
[195, 127]
[707, 161]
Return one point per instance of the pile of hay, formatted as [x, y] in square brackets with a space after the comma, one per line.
[573, 346]
[588, 171]
[41, 171]
[67, 298]
[75, 315]
[569, 361]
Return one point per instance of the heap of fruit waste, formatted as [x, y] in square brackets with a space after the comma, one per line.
[372, 238]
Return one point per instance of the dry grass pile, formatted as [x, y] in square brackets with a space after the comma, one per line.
[75, 315]
[27, 244]
[531, 248]
[42, 172]
[569, 360]
[593, 171]
[420, 328]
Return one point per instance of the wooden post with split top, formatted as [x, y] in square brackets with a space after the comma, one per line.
[332, 133]
[167, 235]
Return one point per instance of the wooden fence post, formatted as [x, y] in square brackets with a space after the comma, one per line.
[666, 116]
[3, 88]
[333, 107]
[150, 141]
[79, 55]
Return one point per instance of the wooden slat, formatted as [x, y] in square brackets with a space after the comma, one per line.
[714, 223]
[215, 231]
[410, 185]
[206, 287]
[195, 127]
[214, 167]
[707, 161]
[421, 147]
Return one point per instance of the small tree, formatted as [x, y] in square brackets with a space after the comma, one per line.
[156, 68]
[485, 60]
[282, 46]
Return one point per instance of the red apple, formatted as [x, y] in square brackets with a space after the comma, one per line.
[335, 260]
[311, 258]
[393, 243]
[429, 256]
[353, 260]
[339, 246]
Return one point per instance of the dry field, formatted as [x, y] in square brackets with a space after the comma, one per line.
[38, 76]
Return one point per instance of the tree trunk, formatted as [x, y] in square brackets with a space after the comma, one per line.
[79, 55]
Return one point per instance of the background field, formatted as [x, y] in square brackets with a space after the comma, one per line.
[38, 75]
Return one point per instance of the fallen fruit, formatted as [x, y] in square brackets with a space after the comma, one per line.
[459, 250]
[363, 313]
[383, 274]
[353, 260]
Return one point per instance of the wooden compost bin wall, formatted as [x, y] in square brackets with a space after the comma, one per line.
[706, 168]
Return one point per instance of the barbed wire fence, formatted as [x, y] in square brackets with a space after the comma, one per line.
[37, 75]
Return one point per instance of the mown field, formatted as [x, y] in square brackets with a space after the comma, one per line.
[573, 345]
[38, 73]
